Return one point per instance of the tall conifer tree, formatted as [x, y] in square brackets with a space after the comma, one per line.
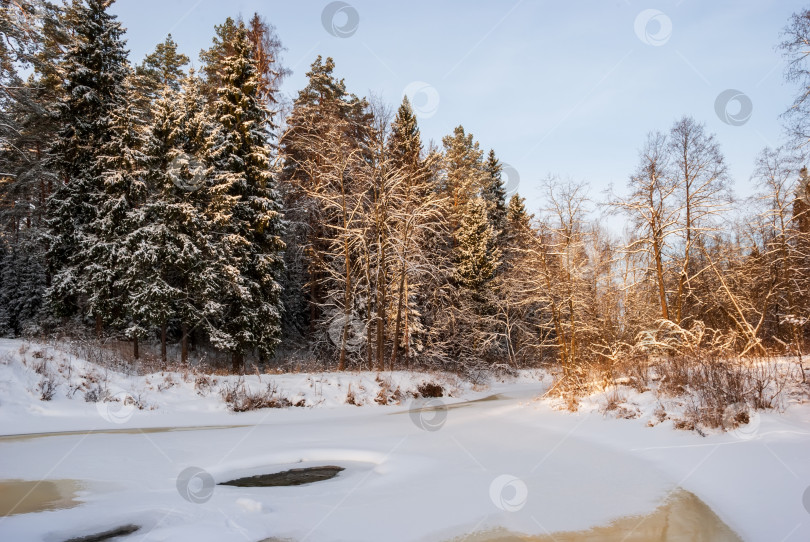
[94, 70]
[494, 194]
[246, 211]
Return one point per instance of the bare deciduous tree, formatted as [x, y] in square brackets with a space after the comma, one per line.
[700, 180]
[654, 213]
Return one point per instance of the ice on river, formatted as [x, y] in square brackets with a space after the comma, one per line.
[437, 470]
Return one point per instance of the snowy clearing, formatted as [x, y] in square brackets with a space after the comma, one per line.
[488, 457]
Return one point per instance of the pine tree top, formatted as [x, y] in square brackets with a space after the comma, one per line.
[164, 66]
[405, 143]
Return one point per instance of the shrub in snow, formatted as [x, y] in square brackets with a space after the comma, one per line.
[47, 388]
[430, 389]
[240, 398]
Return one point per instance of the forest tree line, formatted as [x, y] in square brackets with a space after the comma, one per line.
[161, 204]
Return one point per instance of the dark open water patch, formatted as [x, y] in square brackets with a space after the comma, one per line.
[106, 535]
[292, 477]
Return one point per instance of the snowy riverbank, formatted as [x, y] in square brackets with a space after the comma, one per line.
[487, 456]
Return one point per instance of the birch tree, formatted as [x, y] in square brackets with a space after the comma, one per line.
[654, 214]
[700, 177]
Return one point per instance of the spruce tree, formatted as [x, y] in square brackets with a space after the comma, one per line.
[464, 176]
[94, 70]
[171, 273]
[518, 219]
[476, 255]
[22, 282]
[405, 142]
[203, 291]
[246, 212]
[149, 303]
[475, 262]
[417, 211]
[516, 235]
[121, 167]
[494, 194]
[215, 57]
[516, 215]
[266, 48]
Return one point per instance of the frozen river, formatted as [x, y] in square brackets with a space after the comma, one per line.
[492, 462]
[478, 470]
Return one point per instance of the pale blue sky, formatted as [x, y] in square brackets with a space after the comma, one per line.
[561, 87]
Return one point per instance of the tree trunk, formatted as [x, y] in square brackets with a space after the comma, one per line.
[381, 316]
[163, 342]
[407, 331]
[237, 361]
[99, 326]
[369, 347]
[369, 341]
[347, 307]
[183, 343]
[313, 302]
[556, 317]
[659, 272]
[395, 351]
[347, 300]
[135, 350]
[687, 249]
[681, 289]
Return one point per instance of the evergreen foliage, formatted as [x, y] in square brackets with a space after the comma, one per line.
[245, 211]
[494, 194]
[94, 70]
[161, 205]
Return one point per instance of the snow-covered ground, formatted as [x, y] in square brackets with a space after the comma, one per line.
[416, 469]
